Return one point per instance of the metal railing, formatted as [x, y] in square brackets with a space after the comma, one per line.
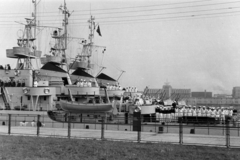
[226, 133]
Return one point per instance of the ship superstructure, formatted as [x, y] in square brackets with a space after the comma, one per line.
[49, 87]
[17, 84]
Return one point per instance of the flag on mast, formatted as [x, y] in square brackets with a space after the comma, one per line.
[98, 31]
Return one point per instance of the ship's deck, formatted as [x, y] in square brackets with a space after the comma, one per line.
[23, 112]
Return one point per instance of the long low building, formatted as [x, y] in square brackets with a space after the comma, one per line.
[216, 102]
[198, 98]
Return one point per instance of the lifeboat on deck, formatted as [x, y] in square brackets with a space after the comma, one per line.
[85, 107]
[93, 105]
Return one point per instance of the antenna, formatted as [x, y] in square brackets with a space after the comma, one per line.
[101, 71]
[120, 75]
[90, 9]
[35, 18]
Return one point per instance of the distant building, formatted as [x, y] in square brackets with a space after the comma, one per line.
[236, 92]
[202, 94]
[195, 98]
[215, 102]
[167, 92]
[222, 96]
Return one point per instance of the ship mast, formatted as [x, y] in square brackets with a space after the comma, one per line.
[27, 49]
[35, 30]
[65, 23]
[87, 50]
[91, 36]
[35, 18]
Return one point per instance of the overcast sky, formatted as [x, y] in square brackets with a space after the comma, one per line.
[192, 44]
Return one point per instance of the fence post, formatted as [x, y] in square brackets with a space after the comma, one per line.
[15, 121]
[95, 123]
[208, 127]
[106, 125]
[139, 137]
[9, 124]
[227, 133]
[167, 126]
[118, 124]
[180, 131]
[238, 129]
[223, 127]
[69, 125]
[102, 128]
[155, 127]
[38, 124]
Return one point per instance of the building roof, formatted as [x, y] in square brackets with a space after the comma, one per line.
[105, 77]
[81, 72]
[202, 94]
[52, 67]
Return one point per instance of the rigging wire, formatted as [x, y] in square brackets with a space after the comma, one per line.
[192, 16]
[189, 6]
[177, 3]
[93, 10]
[10, 27]
[203, 5]
[175, 18]
[160, 18]
[205, 10]
[182, 12]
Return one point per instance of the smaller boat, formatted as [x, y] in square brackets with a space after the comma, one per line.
[92, 105]
[85, 107]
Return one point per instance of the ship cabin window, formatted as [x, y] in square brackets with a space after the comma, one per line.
[29, 98]
[65, 81]
[90, 101]
[97, 100]
[76, 99]
[44, 98]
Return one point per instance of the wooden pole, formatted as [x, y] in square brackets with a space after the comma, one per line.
[38, 124]
[102, 128]
[69, 126]
[9, 124]
[181, 131]
[227, 133]
[139, 137]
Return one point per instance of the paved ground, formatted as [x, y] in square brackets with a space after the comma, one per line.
[125, 135]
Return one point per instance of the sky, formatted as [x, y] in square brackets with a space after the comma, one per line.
[191, 44]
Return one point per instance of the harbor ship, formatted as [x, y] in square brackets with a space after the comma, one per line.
[61, 85]
[65, 87]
